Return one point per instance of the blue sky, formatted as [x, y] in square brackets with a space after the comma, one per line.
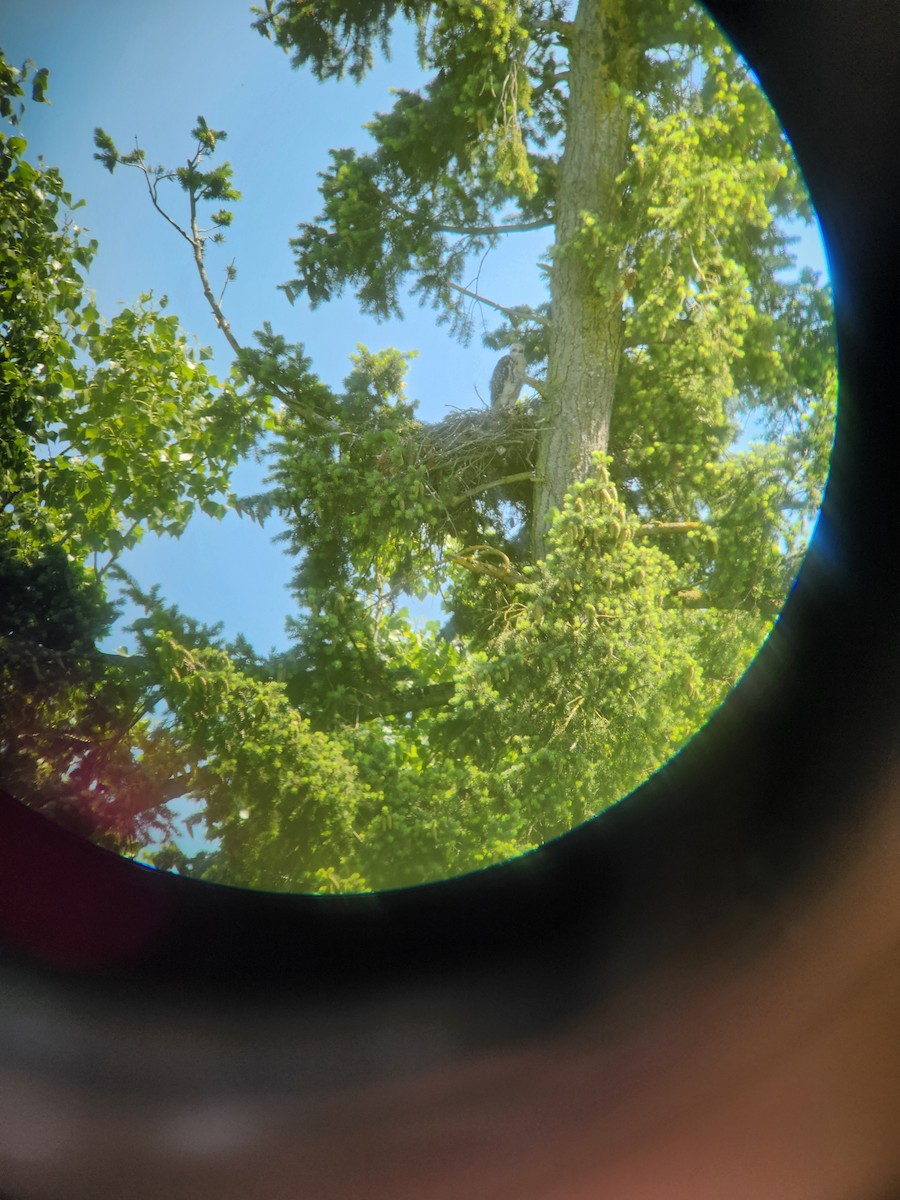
[147, 71]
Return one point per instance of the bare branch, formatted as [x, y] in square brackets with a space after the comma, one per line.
[114, 555]
[229, 275]
[537, 384]
[496, 230]
[519, 477]
[563, 29]
[669, 527]
[540, 92]
[289, 401]
[519, 313]
[487, 230]
[154, 198]
[197, 245]
[431, 695]
[196, 239]
[505, 573]
[7, 498]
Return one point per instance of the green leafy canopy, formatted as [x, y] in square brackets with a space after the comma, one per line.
[606, 554]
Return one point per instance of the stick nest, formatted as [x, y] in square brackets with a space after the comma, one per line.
[481, 448]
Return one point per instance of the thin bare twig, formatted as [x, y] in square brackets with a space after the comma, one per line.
[229, 275]
[154, 197]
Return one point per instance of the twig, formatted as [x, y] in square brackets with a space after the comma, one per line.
[229, 275]
[151, 188]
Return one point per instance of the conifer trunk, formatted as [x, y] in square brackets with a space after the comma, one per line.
[586, 329]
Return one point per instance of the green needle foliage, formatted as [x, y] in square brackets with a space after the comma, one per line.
[608, 553]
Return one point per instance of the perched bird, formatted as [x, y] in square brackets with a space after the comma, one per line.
[508, 377]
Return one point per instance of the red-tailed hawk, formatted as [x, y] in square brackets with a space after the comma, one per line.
[508, 377]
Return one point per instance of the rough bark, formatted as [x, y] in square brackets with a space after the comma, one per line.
[587, 317]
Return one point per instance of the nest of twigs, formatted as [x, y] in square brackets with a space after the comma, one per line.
[482, 449]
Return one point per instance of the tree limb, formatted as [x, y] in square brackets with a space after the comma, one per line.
[563, 29]
[541, 91]
[477, 567]
[197, 241]
[537, 384]
[669, 526]
[488, 230]
[197, 245]
[515, 314]
[154, 200]
[491, 230]
[519, 477]
[430, 695]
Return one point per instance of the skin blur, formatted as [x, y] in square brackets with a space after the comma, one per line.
[763, 1068]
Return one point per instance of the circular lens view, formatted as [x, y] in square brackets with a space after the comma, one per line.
[373, 549]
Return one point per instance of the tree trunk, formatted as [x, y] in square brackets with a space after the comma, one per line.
[587, 316]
